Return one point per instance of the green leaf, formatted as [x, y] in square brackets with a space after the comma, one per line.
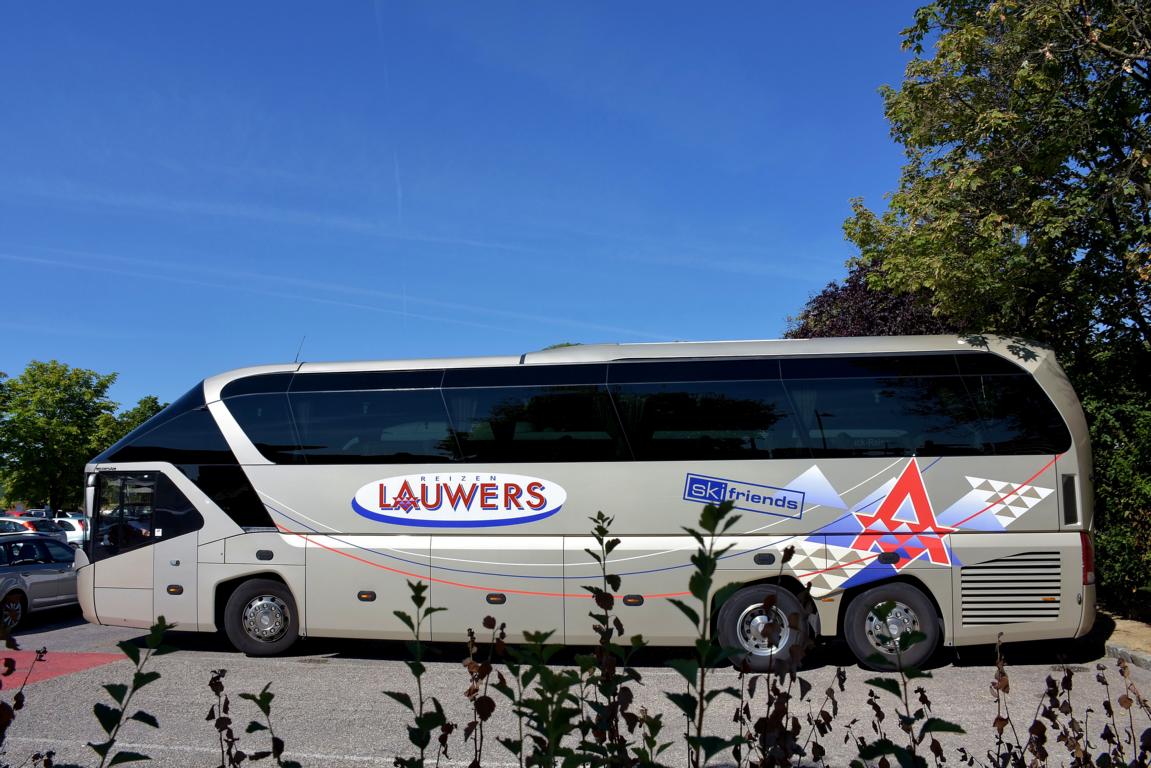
[885, 683]
[406, 619]
[127, 757]
[146, 718]
[108, 717]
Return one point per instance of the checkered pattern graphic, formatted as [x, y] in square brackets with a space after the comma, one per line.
[1007, 501]
[820, 565]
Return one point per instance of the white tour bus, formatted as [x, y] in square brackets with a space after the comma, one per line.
[948, 475]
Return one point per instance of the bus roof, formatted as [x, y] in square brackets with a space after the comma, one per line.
[1025, 354]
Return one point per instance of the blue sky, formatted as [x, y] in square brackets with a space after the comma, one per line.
[186, 189]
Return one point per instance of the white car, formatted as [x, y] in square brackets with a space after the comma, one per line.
[42, 526]
[76, 528]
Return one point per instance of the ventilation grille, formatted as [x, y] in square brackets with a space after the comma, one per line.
[1011, 590]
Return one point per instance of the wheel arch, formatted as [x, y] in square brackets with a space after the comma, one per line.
[788, 582]
[851, 593]
[224, 589]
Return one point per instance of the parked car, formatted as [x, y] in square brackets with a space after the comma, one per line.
[35, 573]
[40, 512]
[41, 525]
[76, 529]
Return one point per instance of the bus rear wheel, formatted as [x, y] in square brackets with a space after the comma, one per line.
[260, 618]
[767, 625]
[874, 639]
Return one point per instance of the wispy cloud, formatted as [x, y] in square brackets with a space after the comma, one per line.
[454, 313]
[71, 193]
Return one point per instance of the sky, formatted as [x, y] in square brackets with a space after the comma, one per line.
[191, 188]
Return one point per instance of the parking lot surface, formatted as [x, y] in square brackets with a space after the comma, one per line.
[330, 710]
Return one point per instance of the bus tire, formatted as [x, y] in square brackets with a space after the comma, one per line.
[767, 625]
[912, 611]
[260, 618]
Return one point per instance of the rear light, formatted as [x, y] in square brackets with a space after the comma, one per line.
[1088, 557]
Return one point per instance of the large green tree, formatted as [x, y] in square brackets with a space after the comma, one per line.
[53, 419]
[1025, 202]
[1024, 208]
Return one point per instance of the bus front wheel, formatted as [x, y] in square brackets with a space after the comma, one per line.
[874, 637]
[767, 625]
[260, 618]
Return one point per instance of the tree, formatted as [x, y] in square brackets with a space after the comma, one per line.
[1025, 202]
[856, 308]
[49, 418]
[1024, 208]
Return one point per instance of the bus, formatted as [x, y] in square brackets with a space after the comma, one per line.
[946, 479]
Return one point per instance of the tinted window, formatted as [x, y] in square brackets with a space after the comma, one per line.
[123, 516]
[332, 382]
[1018, 417]
[268, 423]
[535, 424]
[189, 401]
[908, 416]
[230, 489]
[60, 553]
[173, 514]
[868, 366]
[190, 438]
[692, 370]
[709, 420]
[28, 553]
[4, 558]
[268, 382]
[373, 427]
[526, 376]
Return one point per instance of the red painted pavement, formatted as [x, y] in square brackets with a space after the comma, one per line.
[55, 664]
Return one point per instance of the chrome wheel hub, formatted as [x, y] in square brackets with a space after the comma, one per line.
[12, 611]
[763, 633]
[266, 618]
[884, 635]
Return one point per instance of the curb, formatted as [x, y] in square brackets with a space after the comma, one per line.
[1137, 658]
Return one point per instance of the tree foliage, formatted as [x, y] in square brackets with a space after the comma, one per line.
[857, 308]
[53, 419]
[1025, 202]
[1024, 208]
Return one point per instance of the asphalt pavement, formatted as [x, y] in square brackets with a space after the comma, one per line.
[330, 710]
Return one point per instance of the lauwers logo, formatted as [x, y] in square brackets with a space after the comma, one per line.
[453, 500]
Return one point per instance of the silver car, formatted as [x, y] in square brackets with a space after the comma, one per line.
[35, 573]
[41, 525]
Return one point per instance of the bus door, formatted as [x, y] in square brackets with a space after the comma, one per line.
[143, 565]
[122, 575]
